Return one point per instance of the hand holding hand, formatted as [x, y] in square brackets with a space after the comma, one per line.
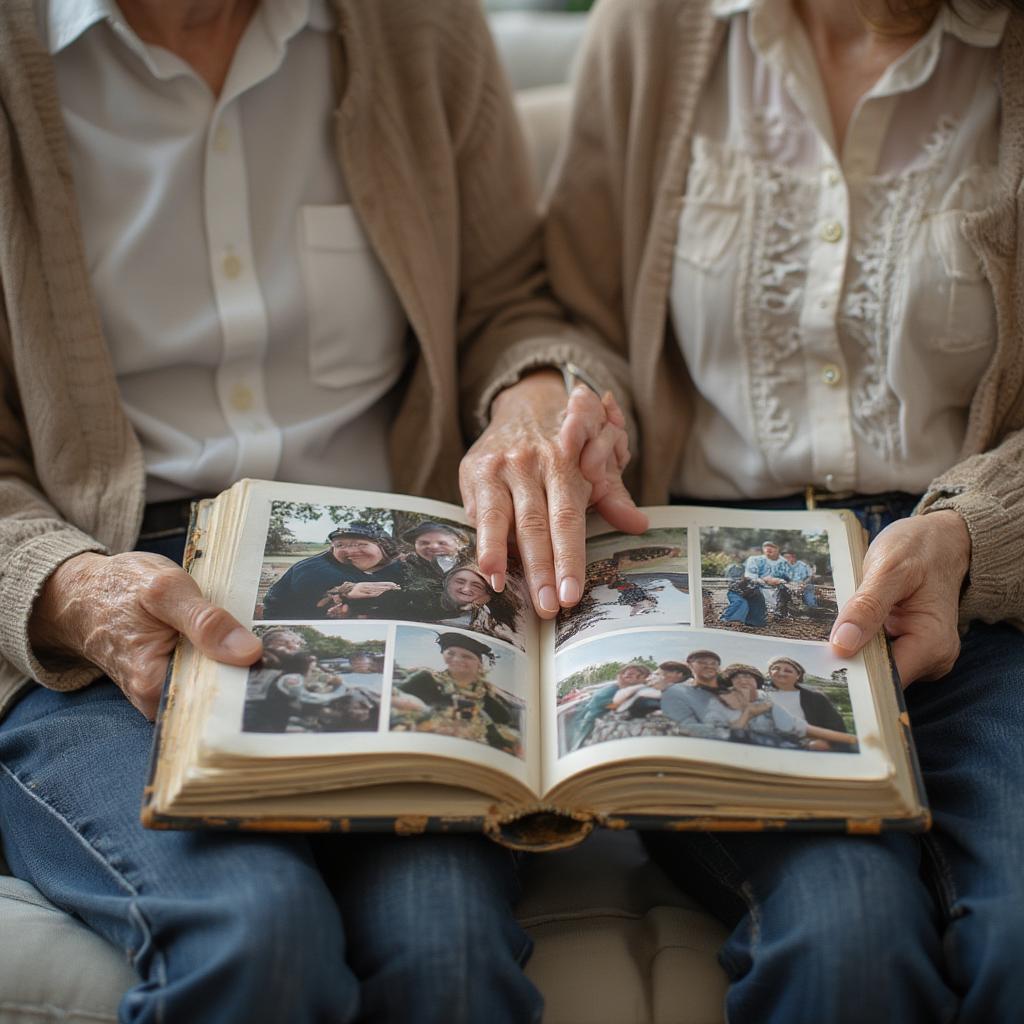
[124, 613]
[535, 470]
[913, 573]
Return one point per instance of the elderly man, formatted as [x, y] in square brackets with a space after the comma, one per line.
[260, 238]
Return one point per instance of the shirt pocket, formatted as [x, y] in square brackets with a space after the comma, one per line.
[963, 308]
[706, 231]
[356, 323]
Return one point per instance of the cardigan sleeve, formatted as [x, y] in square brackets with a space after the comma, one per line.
[508, 320]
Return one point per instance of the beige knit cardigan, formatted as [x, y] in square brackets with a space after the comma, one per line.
[429, 144]
[611, 235]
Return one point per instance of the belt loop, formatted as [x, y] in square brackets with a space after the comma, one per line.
[810, 498]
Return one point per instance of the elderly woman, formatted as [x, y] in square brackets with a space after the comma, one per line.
[804, 223]
[459, 701]
[260, 238]
[467, 600]
[341, 582]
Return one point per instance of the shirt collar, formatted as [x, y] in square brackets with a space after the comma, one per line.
[971, 22]
[67, 20]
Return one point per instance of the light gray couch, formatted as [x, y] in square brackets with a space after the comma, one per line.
[616, 942]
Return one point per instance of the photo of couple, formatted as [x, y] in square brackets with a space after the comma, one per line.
[737, 691]
[316, 680]
[451, 684]
[631, 579]
[339, 562]
[773, 583]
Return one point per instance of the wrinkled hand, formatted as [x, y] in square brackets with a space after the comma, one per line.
[913, 573]
[124, 613]
[533, 474]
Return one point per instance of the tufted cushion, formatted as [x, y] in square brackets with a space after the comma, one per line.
[615, 943]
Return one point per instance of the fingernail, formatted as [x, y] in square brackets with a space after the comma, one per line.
[569, 591]
[548, 599]
[497, 582]
[848, 636]
[239, 642]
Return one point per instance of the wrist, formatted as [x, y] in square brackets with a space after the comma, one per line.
[955, 540]
[51, 625]
[543, 386]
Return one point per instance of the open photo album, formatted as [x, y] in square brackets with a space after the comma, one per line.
[691, 687]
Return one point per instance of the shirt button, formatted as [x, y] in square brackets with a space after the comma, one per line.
[831, 375]
[832, 177]
[241, 398]
[231, 265]
[832, 231]
[830, 481]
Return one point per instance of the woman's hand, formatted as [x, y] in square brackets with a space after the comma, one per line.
[533, 474]
[913, 574]
[124, 613]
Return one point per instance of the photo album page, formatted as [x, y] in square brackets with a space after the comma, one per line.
[380, 634]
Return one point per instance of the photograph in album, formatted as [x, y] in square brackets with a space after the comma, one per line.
[344, 562]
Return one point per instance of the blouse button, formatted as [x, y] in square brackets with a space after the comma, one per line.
[242, 398]
[232, 266]
[831, 375]
[832, 231]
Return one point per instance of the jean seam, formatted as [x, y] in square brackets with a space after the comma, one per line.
[945, 883]
[135, 913]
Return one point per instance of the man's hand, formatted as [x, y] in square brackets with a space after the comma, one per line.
[534, 472]
[124, 614]
[913, 573]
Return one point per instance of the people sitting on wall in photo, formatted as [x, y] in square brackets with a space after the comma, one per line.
[798, 571]
[458, 700]
[753, 596]
[345, 581]
[643, 699]
[601, 701]
[787, 688]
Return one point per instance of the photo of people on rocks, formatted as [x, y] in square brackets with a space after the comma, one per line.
[699, 684]
[631, 580]
[343, 563]
[452, 684]
[768, 582]
[310, 680]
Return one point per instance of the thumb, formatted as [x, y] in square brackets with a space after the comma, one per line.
[176, 600]
[619, 510]
[865, 613]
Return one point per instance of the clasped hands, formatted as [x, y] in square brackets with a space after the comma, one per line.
[529, 478]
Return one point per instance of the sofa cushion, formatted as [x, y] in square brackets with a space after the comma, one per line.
[615, 943]
[51, 966]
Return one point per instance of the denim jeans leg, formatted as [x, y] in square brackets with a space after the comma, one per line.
[221, 927]
[844, 928]
[431, 932]
[969, 731]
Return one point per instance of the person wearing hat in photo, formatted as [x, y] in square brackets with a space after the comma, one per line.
[692, 707]
[644, 698]
[458, 700]
[344, 581]
[437, 548]
[469, 601]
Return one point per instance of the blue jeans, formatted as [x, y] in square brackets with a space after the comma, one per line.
[897, 927]
[226, 927]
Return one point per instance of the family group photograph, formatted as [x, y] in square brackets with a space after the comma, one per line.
[704, 685]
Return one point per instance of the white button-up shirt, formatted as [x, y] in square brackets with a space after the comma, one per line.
[252, 329]
[833, 316]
